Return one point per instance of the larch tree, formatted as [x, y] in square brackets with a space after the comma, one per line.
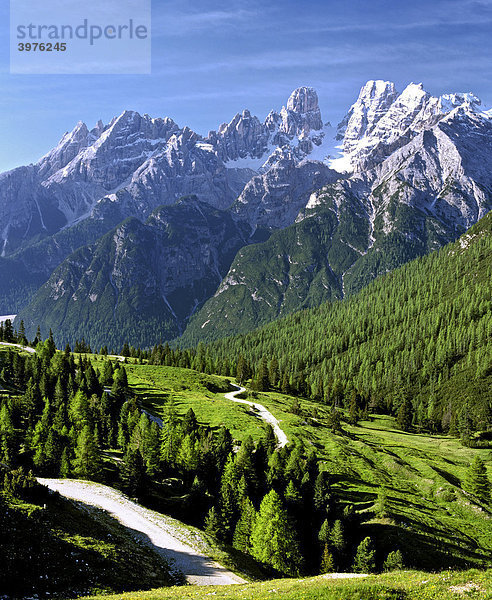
[273, 540]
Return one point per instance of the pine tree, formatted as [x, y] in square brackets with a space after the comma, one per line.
[294, 465]
[87, 463]
[228, 511]
[293, 497]
[223, 447]
[188, 454]
[404, 416]
[244, 528]
[242, 370]
[6, 434]
[189, 423]
[327, 563]
[273, 540]
[365, 557]
[273, 372]
[152, 451]
[337, 537]
[394, 561]
[132, 473]
[322, 494]
[261, 381]
[65, 463]
[212, 523]
[324, 532]
[477, 482]
[270, 439]
[170, 436]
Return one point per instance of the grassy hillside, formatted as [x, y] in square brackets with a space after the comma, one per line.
[51, 546]
[427, 514]
[154, 386]
[474, 585]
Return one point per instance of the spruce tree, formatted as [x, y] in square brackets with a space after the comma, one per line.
[477, 482]
[324, 532]
[132, 473]
[87, 463]
[394, 561]
[404, 416]
[261, 381]
[65, 463]
[365, 557]
[212, 523]
[244, 528]
[337, 537]
[322, 494]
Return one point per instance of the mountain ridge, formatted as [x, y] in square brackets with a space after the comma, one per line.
[402, 174]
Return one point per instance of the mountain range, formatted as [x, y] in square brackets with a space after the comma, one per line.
[142, 231]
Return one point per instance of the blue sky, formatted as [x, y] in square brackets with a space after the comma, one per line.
[211, 59]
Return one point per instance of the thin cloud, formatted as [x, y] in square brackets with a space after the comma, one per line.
[184, 22]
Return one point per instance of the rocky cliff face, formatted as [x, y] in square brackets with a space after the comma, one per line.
[381, 120]
[423, 195]
[139, 163]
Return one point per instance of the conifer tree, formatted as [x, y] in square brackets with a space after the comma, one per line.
[322, 496]
[212, 523]
[6, 434]
[337, 537]
[324, 532]
[223, 447]
[65, 463]
[244, 527]
[293, 497]
[365, 557]
[170, 436]
[242, 370]
[273, 540]
[394, 561]
[261, 380]
[132, 473]
[152, 453]
[404, 416]
[477, 481]
[87, 463]
[270, 442]
[327, 563]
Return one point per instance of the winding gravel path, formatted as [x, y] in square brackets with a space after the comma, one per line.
[162, 533]
[26, 348]
[262, 412]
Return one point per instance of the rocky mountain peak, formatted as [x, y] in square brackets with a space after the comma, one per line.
[68, 147]
[448, 102]
[303, 100]
[302, 113]
[375, 98]
[414, 91]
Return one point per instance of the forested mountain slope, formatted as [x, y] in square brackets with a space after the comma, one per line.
[421, 332]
